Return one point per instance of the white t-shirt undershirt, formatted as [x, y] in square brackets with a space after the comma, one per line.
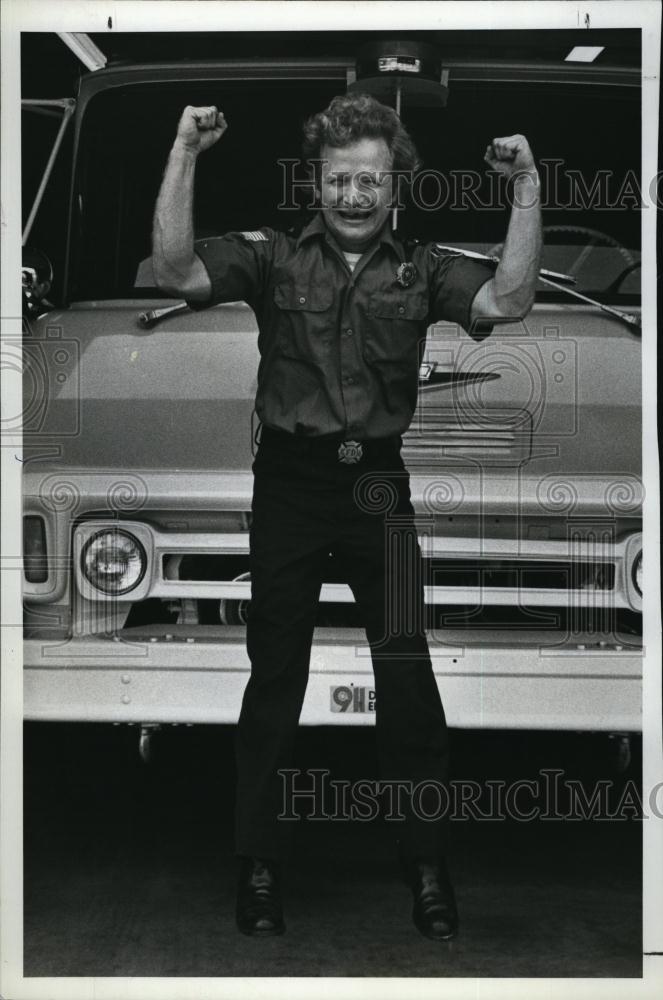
[351, 258]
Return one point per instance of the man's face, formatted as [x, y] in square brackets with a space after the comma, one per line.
[355, 191]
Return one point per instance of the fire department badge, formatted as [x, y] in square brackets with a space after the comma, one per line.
[406, 274]
[350, 452]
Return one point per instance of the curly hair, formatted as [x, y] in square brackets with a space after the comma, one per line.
[351, 117]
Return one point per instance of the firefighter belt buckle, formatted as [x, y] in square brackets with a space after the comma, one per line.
[350, 452]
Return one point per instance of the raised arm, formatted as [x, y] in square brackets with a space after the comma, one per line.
[510, 293]
[177, 269]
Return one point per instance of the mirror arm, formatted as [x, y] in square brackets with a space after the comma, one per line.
[69, 106]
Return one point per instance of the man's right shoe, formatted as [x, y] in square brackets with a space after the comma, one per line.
[434, 910]
[259, 909]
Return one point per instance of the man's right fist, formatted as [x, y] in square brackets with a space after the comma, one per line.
[200, 128]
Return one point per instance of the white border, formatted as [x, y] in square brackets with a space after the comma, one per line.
[177, 15]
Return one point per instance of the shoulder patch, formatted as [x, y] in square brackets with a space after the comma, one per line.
[255, 236]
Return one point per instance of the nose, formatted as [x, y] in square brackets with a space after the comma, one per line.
[355, 195]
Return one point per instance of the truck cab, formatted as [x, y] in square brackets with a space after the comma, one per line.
[524, 451]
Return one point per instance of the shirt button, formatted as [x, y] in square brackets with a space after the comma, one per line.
[348, 380]
[349, 331]
[401, 309]
[302, 299]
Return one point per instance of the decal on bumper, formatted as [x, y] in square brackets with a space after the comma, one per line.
[344, 698]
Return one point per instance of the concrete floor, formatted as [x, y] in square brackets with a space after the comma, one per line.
[129, 868]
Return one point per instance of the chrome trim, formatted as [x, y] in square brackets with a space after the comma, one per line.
[484, 492]
[157, 544]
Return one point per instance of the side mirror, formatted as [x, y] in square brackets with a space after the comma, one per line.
[36, 280]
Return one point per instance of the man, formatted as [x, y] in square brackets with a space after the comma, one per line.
[342, 313]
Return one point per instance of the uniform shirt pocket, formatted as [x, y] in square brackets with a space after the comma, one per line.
[304, 320]
[397, 324]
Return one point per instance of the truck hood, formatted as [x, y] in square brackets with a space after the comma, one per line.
[557, 393]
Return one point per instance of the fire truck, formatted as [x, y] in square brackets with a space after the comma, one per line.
[138, 421]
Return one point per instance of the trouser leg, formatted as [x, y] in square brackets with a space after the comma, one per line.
[384, 568]
[286, 565]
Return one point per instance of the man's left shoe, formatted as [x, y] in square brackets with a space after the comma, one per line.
[434, 912]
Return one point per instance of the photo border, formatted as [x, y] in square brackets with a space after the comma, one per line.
[181, 15]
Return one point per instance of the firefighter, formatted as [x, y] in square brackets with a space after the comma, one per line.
[342, 310]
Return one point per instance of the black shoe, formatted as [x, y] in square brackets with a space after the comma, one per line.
[259, 911]
[434, 912]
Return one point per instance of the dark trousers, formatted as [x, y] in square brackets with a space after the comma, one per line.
[306, 506]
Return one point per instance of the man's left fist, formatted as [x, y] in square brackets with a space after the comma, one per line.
[510, 155]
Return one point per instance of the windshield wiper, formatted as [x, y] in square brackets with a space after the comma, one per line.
[561, 283]
[629, 318]
[153, 316]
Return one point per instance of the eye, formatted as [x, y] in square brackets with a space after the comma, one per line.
[336, 180]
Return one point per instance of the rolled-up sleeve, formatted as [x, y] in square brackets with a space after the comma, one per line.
[237, 264]
[455, 282]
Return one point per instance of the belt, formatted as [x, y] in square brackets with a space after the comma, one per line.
[330, 447]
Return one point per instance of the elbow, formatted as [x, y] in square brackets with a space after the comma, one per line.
[162, 282]
[523, 306]
[168, 287]
[169, 280]
[163, 275]
[515, 306]
[499, 304]
[511, 296]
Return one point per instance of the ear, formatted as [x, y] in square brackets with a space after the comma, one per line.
[316, 175]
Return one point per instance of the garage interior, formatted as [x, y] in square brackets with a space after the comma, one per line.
[129, 867]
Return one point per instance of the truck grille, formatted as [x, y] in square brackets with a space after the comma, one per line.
[200, 578]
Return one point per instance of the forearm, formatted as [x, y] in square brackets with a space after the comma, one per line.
[515, 279]
[172, 235]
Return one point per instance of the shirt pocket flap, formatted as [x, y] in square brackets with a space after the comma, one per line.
[413, 307]
[288, 296]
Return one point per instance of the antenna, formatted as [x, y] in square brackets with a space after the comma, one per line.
[394, 211]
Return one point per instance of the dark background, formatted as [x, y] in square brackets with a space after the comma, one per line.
[129, 867]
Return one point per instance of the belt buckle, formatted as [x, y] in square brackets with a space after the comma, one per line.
[350, 452]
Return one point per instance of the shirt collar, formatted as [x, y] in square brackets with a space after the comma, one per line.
[318, 227]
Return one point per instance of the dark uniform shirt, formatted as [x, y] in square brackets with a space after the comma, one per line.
[339, 349]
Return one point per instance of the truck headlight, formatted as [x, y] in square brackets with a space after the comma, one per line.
[636, 572]
[113, 561]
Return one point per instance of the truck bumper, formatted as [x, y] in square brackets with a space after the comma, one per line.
[518, 686]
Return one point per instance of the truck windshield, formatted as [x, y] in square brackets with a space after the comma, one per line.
[590, 182]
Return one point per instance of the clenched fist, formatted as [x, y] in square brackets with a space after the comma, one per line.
[200, 128]
[510, 155]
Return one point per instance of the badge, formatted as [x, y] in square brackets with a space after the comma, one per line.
[350, 452]
[406, 274]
